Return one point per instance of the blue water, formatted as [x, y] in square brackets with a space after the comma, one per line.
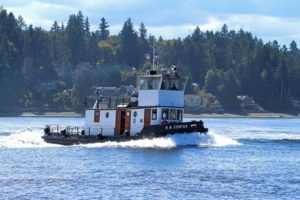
[238, 159]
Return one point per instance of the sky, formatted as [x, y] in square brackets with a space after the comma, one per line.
[267, 19]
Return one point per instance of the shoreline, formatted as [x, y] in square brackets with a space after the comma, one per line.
[269, 115]
[186, 115]
[43, 114]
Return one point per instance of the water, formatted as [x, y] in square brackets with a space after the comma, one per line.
[238, 159]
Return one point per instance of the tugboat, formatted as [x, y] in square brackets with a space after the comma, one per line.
[154, 110]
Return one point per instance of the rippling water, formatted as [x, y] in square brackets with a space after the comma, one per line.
[238, 159]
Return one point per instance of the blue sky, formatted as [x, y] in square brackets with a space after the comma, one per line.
[267, 19]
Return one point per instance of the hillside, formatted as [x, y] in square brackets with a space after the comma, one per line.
[56, 69]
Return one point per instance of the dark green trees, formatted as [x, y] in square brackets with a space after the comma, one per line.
[103, 31]
[129, 53]
[224, 85]
[72, 58]
[76, 39]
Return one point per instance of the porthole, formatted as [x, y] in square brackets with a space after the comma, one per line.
[135, 114]
[107, 114]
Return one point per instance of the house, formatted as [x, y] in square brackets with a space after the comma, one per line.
[295, 103]
[248, 104]
[126, 89]
[107, 91]
[195, 103]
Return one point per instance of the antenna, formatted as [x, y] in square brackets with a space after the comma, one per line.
[153, 59]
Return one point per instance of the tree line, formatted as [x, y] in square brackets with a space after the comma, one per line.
[57, 69]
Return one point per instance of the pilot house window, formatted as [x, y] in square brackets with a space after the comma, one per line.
[173, 84]
[149, 83]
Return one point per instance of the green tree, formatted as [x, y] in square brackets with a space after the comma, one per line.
[75, 33]
[228, 91]
[129, 52]
[212, 80]
[143, 32]
[103, 31]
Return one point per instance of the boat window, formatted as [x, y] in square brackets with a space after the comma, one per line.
[173, 84]
[154, 114]
[107, 114]
[179, 114]
[165, 114]
[149, 83]
[173, 114]
[135, 114]
[97, 116]
[165, 84]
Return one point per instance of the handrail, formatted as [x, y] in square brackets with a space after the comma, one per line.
[77, 130]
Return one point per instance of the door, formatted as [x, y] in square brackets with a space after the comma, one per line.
[147, 117]
[127, 122]
[123, 119]
[118, 122]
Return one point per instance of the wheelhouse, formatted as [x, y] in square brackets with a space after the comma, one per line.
[161, 82]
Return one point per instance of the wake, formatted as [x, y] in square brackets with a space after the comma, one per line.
[25, 138]
[28, 138]
[210, 139]
[267, 137]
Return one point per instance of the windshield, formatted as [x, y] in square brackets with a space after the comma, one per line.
[149, 83]
[173, 84]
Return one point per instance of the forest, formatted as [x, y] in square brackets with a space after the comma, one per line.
[57, 69]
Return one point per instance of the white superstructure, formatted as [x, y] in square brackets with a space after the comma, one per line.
[160, 100]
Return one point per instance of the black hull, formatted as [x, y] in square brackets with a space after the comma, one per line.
[78, 139]
[154, 131]
[173, 128]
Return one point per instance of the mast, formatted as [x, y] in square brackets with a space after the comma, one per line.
[153, 59]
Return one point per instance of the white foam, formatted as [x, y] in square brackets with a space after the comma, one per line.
[27, 138]
[194, 139]
[266, 136]
[24, 139]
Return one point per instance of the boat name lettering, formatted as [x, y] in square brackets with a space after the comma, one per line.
[177, 126]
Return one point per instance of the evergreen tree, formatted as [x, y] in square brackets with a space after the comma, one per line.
[225, 62]
[87, 27]
[55, 27]
[143, 32]
[129, 52]
[103, 31]
[75, 33]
